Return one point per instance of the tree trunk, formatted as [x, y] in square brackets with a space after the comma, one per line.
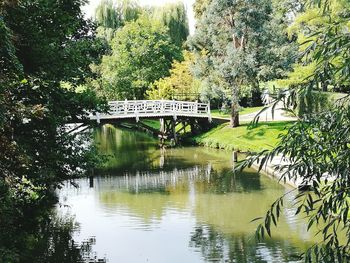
[234, 122]
[324, 86]
[235, 107]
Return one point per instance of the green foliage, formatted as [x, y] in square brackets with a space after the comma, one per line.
[111, 15]
[299, 76]
[311, 102]
[181, 81]
[143, 41]
[9, 63]
[42, 44]
[174, 17]
[200, 7]
[142, 52]
[313, 25]
[63, 49]
[42, 110]
[316, 146]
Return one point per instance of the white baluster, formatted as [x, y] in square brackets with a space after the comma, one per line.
[126, 106]
[209, 112]
[98, 117]
[174, 109]
[136, 112]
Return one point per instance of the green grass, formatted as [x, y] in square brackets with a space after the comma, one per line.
[243, 111]
[243, 138]
[155, 124]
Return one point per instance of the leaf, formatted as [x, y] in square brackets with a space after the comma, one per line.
[256, 219]
[310, 224]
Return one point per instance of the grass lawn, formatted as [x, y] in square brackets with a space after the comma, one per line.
[217, 113]
[155, 124]
[264, 136]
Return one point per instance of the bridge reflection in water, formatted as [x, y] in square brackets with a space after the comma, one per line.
[178, 205]
[210, 212]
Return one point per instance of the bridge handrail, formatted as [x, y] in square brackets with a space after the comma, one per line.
[157, 106]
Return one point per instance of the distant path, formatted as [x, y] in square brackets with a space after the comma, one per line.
[279, 115]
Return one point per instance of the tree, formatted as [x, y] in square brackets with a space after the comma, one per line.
[42, 44]
[174, 17]
[38, 152]
[243, 45]
[317, 147]
[181, 81]
[61, 50]
[111, 15]
[142, 52]
[308, 20]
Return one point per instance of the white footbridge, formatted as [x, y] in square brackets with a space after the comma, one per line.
[136, 109]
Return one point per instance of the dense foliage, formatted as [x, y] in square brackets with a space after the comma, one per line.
[181, 84]
[143, 43]
[142, 52]
[42, 45]
[61, 50]
[174, 17]
[112, 15]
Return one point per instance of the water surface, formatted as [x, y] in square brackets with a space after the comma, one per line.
[176, 205]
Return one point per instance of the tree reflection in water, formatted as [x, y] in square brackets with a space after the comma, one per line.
[47, 239]
[217, 247]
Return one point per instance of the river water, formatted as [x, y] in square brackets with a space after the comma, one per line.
[175, 205]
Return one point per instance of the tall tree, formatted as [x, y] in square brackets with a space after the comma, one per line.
[242, 45]
[42, 43]
[111, 15]
[142, 52]
[57, 45]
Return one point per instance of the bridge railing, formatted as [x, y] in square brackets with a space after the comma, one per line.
[145, 108]
[154, 109]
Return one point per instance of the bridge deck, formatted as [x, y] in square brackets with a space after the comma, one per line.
[154, 109]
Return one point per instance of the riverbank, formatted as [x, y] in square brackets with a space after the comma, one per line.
[244, 138]
[270, 171]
